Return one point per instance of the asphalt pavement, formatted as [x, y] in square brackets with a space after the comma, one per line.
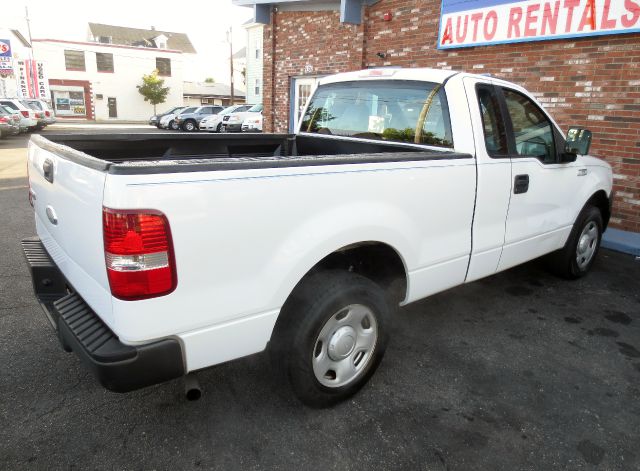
[519, 371]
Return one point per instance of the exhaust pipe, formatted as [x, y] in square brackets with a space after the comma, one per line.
[192, 389]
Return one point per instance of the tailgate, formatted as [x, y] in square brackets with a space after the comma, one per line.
[68, 215]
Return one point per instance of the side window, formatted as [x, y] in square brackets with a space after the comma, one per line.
[495, 136]
[532, 131]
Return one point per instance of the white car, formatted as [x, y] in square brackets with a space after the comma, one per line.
[168, 121]
[160, 255]
[252, 123]
[30, 116]
[233, 122]
[214, 123]
[38, 104]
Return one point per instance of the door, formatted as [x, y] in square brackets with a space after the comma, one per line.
[113, 107]
[494, 177]
[540, 216]
[302, 90]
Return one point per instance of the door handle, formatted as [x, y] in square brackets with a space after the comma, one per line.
[47, 168]
[521, 184]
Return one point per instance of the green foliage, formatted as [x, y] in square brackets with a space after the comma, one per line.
[209, 80]
[152, 89]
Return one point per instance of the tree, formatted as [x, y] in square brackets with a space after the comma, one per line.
[209, 80]
[152, 89]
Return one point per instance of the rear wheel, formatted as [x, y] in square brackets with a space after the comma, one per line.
[219, 127]
[331, 336]
[577, 256]
[173, 125]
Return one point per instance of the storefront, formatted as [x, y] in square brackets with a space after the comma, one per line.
[71, 98]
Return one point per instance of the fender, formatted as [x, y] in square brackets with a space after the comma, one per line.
[338, 227]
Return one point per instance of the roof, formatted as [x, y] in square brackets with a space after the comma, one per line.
[21, 38]
[141, 37]
[209, 90]
[241, 53]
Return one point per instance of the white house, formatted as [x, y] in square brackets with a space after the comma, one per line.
[253, 78]
[97, 79]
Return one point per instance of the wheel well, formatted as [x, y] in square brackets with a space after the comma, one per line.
[600, 201]
[377, 261]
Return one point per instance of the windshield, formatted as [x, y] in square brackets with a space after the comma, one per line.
[394, 110]
[229, 109]
[35, 105]
[188, 110]
[174, 110]
[255, 109]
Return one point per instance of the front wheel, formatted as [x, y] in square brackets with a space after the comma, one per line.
[331, 336]
[189, 126]
[577, 256]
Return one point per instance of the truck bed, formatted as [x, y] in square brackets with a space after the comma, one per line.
[148, 153]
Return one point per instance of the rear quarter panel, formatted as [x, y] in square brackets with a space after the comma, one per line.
[243, 239]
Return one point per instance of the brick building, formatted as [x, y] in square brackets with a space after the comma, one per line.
[591, 81]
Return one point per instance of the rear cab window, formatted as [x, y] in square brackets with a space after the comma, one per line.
[389, 110]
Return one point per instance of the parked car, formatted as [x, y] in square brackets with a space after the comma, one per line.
[253, 123]
[29, 119]
[155, 119]
[233, 122]
[169, 121]
[190, 121]
[399, 184]
[9, 124]
[214, 123]
[48, 115]
[13, 119]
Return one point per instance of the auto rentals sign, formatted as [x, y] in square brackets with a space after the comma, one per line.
[465, 23]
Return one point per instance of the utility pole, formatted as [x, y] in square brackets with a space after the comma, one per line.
[26, 10]
[230, 38]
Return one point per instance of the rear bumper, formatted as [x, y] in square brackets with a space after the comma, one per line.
[118, 367]
[236, 127]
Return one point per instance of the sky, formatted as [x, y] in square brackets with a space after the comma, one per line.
[205, 23]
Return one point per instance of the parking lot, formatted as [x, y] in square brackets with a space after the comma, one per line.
[518, 371]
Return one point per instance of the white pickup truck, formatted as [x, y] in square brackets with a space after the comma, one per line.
[159, 255]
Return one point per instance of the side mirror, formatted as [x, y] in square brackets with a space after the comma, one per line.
[578, 141]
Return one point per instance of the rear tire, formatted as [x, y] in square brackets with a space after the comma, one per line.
[331, 336]
[219, 127]
[577, 256]
[173, 125]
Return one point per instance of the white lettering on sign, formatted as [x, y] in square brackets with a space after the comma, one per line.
[483, 22]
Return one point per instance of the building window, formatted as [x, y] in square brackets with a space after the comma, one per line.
[164, 66]
[258, 48]
[104, 39]
[104, 62]
[257, 87]
[74, 60]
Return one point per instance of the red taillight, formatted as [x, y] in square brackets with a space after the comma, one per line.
[25, 113]
[38, 115]
[139, 253]
[47, 114]
[3, 119]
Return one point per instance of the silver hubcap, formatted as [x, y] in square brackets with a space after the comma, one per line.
[345, 345]
[587, 244]
[190, 126]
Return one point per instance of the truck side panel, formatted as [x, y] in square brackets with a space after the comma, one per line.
[260, 231]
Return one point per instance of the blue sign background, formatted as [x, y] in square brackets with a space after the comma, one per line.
[453, 6]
